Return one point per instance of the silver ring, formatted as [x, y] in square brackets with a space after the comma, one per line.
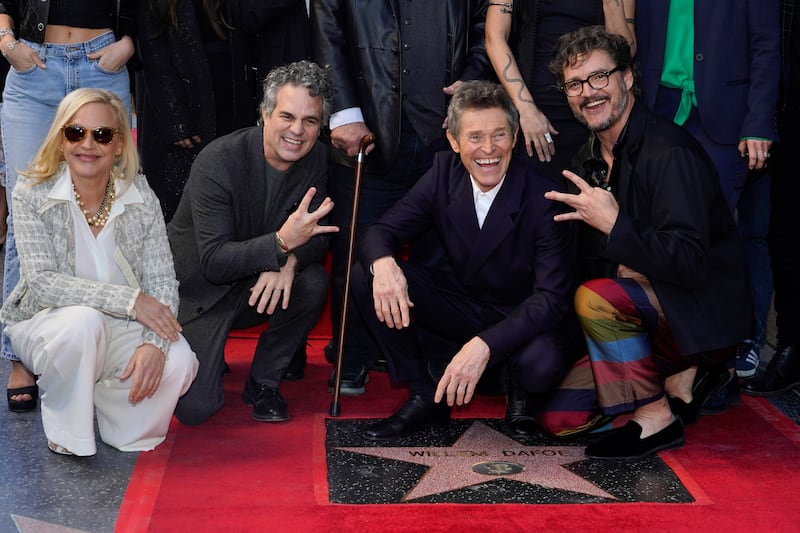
[548, 138]
[766, 155]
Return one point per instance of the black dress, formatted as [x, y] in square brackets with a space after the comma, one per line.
[537, 26]
[194, 82]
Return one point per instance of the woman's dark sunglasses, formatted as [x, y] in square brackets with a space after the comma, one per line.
[74, 133]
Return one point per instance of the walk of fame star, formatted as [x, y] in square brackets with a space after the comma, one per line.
[473, 461]
[452, 467]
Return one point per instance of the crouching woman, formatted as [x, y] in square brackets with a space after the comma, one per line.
[93, 315]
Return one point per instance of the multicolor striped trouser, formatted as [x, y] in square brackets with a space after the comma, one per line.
[631, 351]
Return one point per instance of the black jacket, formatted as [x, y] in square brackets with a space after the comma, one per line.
[278, 28]
[182, 93]
[360, 40]
[30, 18]
[674, 227]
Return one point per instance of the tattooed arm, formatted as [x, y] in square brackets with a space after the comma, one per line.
[619, 15]
[536, 128]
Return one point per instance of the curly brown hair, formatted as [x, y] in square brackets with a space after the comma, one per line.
[572, 48]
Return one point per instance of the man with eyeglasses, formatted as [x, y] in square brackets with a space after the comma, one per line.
[664, 293]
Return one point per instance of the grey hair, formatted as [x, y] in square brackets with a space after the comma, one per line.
[480, 94]
[303, 73]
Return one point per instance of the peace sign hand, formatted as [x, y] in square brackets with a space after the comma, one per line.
[303, 224]
[593, 205]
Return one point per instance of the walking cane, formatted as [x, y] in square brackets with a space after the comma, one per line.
[351, 242]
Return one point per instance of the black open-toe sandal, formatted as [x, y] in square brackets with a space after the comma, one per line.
[22, 406]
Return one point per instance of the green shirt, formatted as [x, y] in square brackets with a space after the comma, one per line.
[678, 71]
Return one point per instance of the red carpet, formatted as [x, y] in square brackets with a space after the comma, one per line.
[234, 474]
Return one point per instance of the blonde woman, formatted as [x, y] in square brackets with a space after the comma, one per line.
[52, 48]
[93, 314]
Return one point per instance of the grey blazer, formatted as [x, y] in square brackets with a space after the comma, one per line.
[223, 232]
[45, 238]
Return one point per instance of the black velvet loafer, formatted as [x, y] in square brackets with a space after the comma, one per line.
[415, 414]
[268, 404]
[687, 412]
[709, 381]
[626, 444]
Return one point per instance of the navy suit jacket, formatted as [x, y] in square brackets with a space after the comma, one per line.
[519, 263]
[736, 62]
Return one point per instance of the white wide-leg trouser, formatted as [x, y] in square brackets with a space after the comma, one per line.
[79, 353]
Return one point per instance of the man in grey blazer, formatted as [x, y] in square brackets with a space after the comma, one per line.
[248, 239]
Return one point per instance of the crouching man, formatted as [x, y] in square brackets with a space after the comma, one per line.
[499, 287]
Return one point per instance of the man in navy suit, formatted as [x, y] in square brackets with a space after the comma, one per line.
[499, 291]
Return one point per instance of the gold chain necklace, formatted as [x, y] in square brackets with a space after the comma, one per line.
[100, 218]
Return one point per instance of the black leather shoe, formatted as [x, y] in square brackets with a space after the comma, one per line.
[708, 382]
[330, 352]
[727, 397]
[519, 421]
[415, 414]
[268, 404]
[625, 443]
[381, 364]
[297, 366]
[782, 374]
[353, 381]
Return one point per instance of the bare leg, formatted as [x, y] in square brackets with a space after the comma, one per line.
[680, 385]
[653, 417]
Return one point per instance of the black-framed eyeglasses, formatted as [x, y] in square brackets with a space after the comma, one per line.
[75, 133]
[596, 80]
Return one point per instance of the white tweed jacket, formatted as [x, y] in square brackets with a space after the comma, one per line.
[46, 244]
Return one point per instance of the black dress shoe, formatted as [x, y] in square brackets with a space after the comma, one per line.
[782, 374]
[625, 443]
[519, 421]
[727, 397]
[297, 366]
[330, 352]
[381, 364]
[268, 404]
[708, 382]
[415, 414]
[353, 381]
